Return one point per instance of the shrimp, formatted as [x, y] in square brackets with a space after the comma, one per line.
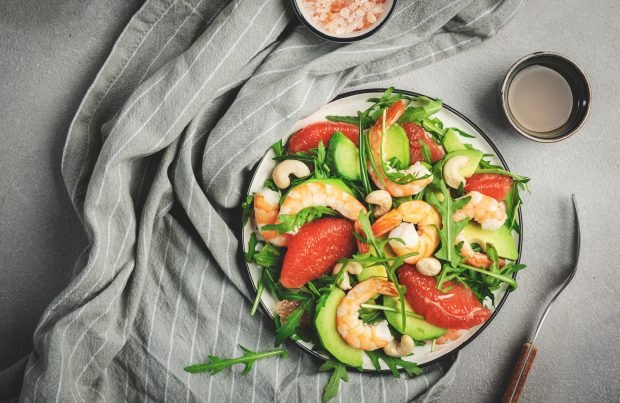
[353, 330]
[266, 208]
[487, 211]
[400, 223]
[312, 194]
[380, 179]
[308, 194]
[473, 258]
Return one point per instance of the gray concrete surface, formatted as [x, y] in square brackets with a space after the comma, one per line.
[50, 51]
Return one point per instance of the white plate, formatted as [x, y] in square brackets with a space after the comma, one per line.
[348, 105]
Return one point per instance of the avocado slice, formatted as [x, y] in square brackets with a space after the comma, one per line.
[451, 141]
[372, 271]
[474, 157]
[325, 323]
[417, 329]
[343, 156]
[396, 144]
[502, 239]
[376, 270]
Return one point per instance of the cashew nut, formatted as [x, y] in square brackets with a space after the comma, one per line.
[428, 266]
[352, 268]
[288, 167]
[400, 348]
[452, 171]
[382, 201]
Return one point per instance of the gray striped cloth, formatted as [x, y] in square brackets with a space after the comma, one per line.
[156, 163]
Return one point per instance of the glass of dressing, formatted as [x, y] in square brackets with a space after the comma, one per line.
[545, 97]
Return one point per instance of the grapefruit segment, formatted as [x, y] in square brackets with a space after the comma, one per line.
[417, 133]
[493, 185]
[310, 136]
[315, 249]
[457, 308]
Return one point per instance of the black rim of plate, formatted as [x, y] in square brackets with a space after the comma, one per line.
[497, 307]
[323, 35]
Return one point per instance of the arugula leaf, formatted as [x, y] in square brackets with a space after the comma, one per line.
[411, 368]
[518, 178]
[339, 374]
[424, 107]
[321, 168]
[268, 256]
[463, 133]
[278, 148]
[252, 242]
[217, 364]
[513, 201]
[247, 208]
[435, 128]
[426, 151]
[270, 184]
[370, 315]
[446, 208]
[290, 327]
[354, 120]
[292, 222]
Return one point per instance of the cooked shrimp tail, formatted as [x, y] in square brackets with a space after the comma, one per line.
[353, 330]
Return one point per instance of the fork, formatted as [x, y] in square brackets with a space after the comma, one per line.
[529, 349]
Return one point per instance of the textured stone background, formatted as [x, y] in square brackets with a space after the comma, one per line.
[50, 52]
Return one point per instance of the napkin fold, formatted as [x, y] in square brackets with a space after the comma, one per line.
[156, 162]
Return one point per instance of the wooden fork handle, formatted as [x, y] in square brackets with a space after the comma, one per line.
[514, 386]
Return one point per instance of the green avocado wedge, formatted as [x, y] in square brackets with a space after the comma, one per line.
[343, 157]
[396, 145]
[417, 329]
[325, 322]
[474, 157]
[502, 239]
[451, 141]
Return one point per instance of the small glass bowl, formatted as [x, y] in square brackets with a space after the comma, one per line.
[306, 19]
[577, 82]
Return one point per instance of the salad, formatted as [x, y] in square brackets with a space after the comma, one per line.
[380, 234]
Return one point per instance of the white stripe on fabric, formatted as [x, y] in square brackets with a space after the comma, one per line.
[383, 390]
[219, 307]
[248, 116]
[208, 79]
[275, 25]
[164, 99]
[232, 383]
[406, 388]
[260, 333]
[90, 290]
[217, 326]
[267, 72]
[178, 301]
[297, 387]
[403, 33]
[36, 384]
[363, 398]
[487, 12]
[287, 117]
[297, 47]
[174, 35]
[191, 351]
[430, 391]
[152, 327]
[133, 54]
[358, 79]
[115, 264]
